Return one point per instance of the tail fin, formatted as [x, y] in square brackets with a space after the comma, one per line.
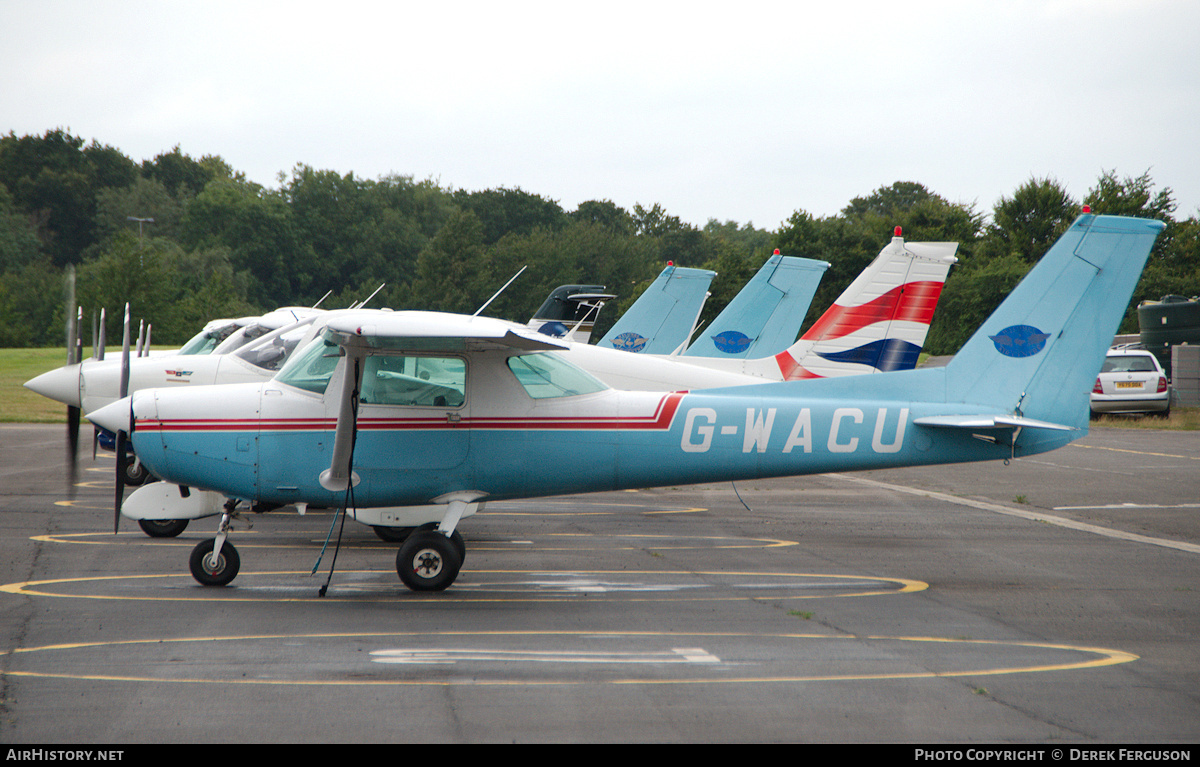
[880, 321]
[1039, 352]
[662, 318]
[764, 317]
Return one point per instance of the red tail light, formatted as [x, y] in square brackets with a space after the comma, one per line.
[1097, 389]
[1162, 384]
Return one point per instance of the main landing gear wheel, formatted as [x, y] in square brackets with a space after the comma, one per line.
[218, 573]
[428, 561]
[162, 528]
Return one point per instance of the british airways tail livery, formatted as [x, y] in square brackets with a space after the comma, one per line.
[764, 318]
[664, 315]
[415, 418]
[880, 321]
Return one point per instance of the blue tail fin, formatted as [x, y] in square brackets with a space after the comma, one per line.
[1038, 354]
[764, 317]
[662, 318]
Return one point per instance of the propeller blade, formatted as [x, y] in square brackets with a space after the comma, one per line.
[120, 484]
[102, 338]
[124, 388]
[74, 353]
[123, 392]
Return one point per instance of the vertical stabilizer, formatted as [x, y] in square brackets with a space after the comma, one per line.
[662, 318]
[1039, 352]
[764, 317]
[880, 321]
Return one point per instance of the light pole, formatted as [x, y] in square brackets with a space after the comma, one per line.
[140, 221]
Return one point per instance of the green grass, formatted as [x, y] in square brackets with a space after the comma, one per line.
[18, 404]
[1181, 419]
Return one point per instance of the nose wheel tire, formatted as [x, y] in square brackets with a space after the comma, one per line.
[428, 561]
[214, 573]
[162, 528]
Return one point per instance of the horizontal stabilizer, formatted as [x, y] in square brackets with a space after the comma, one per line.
[988, 422]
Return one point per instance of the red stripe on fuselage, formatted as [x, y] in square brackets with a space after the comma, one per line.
[660, 420]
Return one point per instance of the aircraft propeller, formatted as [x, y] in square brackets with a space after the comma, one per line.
[74, 352]
[122, 435]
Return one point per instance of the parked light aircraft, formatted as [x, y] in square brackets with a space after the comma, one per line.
[441, 413]
[879, 323]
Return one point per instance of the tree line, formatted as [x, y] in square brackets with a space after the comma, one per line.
[186, 240]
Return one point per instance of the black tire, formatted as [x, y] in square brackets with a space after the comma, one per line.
[135, 472]
[392, 534]
[428, 561]
[226, 568]
[162, 528]
[455, 537]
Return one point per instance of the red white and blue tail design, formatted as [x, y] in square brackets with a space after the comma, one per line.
[880, 321]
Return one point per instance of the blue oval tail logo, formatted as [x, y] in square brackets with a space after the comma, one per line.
[1020, 341]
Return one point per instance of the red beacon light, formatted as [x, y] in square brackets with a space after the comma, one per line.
[1087, 208]
[899, 232]
[670, 263]
[777, 251]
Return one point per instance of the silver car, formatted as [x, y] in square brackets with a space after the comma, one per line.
[1131, 381]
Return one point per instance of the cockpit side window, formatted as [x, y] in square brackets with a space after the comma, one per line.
[414, 381]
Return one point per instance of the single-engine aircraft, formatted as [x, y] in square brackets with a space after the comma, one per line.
[879, 323]
[440, 413]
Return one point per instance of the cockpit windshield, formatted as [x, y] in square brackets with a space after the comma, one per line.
[311, 367]
[208, 339]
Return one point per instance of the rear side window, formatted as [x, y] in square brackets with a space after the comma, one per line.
[544, 376]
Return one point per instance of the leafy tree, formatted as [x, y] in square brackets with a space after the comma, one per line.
[448, 270]
[55, 177]
[259, 229]
[510, 211]
[144, 198]
[18, 239]
[184, 177]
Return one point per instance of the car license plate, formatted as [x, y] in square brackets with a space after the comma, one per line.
[1129, 384]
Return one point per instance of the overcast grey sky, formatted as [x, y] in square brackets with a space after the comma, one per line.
[741, 111]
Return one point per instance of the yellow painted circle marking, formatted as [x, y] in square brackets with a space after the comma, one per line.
[1100, 657]
[468, 591]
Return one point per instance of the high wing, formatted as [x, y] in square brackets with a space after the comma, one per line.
[662, 319]
[764, 318]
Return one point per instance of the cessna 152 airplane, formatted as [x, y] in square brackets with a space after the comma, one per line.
[879, 323]
[438, 414]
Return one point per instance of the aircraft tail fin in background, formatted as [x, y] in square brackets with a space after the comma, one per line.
[663, 317]
[880, 321]
[1038, 354]
[764, 317]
